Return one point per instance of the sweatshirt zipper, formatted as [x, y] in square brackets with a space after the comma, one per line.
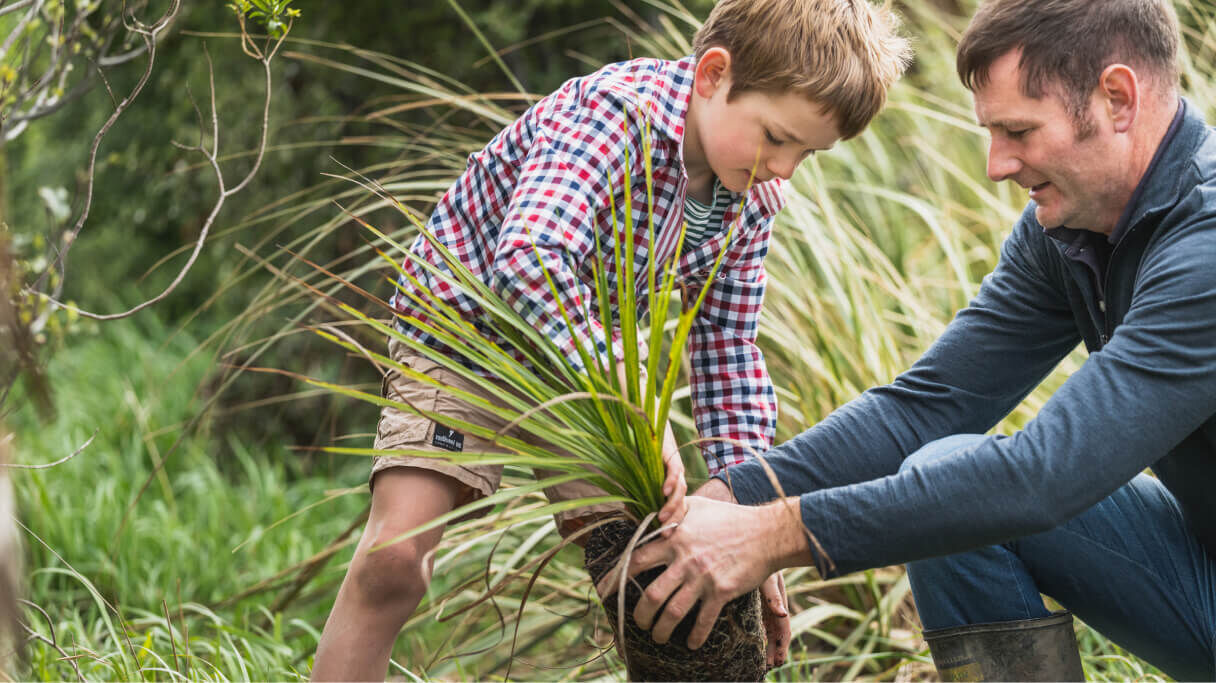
[1105, 333]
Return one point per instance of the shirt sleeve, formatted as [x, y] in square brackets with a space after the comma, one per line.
[734, 404]
[549, 229]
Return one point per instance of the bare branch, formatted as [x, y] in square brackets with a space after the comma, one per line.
[257, 163]
[52, 42]
[20, 28]
[49, 465]
[62, 36]
[15, 6]
[198, 114]
[212, 157]
[215, 119]
[74, 94]
[149, 36]
[119, 60]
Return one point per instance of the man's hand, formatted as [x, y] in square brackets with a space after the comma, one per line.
[719, 552]
[774, 607]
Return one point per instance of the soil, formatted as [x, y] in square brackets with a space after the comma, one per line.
[734, 651]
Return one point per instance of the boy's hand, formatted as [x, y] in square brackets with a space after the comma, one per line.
[776, 615]
[674, 486]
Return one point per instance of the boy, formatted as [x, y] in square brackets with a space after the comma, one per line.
[771, 82]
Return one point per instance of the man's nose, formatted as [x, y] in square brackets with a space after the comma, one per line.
[1001, 163]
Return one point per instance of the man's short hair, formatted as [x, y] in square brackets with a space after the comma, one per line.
[841, 54]
[1066, 44]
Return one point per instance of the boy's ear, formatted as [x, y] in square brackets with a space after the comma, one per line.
[712, 72]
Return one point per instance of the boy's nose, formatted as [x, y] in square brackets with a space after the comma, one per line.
[782, 167]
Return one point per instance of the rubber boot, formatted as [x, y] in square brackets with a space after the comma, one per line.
[1042, 649]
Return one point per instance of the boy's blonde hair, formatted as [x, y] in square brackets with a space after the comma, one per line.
[842, 54]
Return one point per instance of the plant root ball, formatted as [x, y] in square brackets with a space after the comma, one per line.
[734, 651]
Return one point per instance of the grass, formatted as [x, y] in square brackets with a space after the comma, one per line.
[114, 573]
[884, 238]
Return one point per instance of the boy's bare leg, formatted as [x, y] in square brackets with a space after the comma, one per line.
[382, 589]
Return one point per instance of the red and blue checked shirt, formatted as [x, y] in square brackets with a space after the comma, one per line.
[551, 178]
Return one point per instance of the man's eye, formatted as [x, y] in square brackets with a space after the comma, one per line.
[1017, 134]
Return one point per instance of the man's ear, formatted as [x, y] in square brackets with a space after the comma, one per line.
[712, 72]
[1119, 89]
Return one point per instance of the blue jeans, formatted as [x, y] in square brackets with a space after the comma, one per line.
[1128, 567]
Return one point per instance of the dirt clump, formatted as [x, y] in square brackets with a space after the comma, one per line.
[734, 651]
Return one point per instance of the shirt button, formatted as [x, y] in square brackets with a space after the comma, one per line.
[1102, 305]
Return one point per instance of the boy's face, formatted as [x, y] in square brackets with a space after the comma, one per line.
[772, 133]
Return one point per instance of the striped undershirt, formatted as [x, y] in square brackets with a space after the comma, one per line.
[704, 221]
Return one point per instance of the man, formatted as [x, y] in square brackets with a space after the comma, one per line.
[1116, 249]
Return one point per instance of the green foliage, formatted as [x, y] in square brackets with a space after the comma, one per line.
[140, 523]
[273, 15]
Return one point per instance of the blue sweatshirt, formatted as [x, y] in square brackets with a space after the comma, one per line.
[1145, 396]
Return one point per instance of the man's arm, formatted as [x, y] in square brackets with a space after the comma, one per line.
[1149, 388]
[991, 355]
[1153, 384]
[716, 489]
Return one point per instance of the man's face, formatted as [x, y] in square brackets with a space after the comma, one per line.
[1073, 176]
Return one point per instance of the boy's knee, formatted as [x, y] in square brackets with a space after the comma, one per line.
[394, 573]
[940, 449]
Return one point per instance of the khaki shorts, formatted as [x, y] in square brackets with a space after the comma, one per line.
[405, 430]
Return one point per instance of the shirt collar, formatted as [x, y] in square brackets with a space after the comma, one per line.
[1125, 220]
[669, 108]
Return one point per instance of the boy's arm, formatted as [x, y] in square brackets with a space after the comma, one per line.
[549, 230]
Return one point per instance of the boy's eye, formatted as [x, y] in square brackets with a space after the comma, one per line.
[769, 136]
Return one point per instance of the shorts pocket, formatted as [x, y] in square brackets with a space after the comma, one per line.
[404, 426]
